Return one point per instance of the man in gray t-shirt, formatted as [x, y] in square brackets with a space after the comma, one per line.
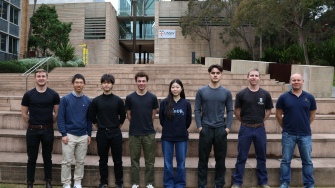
[210, 104]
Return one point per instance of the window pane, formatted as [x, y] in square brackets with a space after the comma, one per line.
[3, 42]
[4, 10]
[14, 46]
[16, 16]
[11, 14]
[10, 45]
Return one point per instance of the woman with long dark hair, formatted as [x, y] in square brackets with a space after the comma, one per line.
[175, 116]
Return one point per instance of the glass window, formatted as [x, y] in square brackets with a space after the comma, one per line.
[3, 10]
[3, 42]
[14, 15]
[12, 45]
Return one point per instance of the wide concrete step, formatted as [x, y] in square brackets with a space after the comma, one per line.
[13, 170]
[323, 124]
[90, 93]
[323, 144]
[324, 105]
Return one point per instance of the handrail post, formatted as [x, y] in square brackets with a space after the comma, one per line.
[48, 66]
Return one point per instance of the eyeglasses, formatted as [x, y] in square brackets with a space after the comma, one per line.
[79, 83]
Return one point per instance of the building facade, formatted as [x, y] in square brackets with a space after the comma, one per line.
[10, 22]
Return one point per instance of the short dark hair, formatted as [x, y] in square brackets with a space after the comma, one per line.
[107, 78]
[215, 66]
[141, 74]
[78, 76]
[41, 70]
[254, 69]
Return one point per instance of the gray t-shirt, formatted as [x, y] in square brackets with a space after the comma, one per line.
[210, 105]
[141, 107]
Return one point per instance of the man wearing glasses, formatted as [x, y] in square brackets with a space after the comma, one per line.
[76, 127]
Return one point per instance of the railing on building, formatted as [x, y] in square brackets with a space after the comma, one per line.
[36, 66]
[113, 61]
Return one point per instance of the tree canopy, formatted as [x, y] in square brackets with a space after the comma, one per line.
[48, 31]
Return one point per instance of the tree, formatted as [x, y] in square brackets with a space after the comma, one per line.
[200, 18]
[239, 32]
[294, 16]
[48, 31]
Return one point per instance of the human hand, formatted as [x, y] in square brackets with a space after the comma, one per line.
[88, 140]
[227, 130]
[199, 129]
[120, 126]
[65, 139]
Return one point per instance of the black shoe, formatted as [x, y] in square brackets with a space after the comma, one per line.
[30, 185]
[119, 186]
[103, 185]
[48, 184]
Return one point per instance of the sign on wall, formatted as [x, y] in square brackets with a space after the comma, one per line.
[166, 34]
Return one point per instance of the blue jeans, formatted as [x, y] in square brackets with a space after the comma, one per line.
[305, 148]
[169, 179]
[246, 136]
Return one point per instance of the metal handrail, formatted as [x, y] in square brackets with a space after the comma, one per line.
[113, 61]
[33, 68]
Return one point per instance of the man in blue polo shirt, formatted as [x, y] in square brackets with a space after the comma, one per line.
[299, 109]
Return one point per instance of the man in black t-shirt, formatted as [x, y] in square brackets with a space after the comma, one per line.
[141, 107]
[107, 113]
[41, 102]
[252, 107]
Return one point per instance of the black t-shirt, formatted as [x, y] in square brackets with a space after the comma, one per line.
[141, 107]
[40, 106]
[253, 105]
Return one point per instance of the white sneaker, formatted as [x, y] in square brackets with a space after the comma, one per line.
[68, 186]
[150, 186]
[135, 186]
[77, 186]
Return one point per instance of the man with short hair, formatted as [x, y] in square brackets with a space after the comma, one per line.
[252, 107]
[211, 101]
[141, 107]
[41, 102]
[299, 109]
[76, 128]
[107, 112]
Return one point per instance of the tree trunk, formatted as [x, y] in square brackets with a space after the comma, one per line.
[302, 39]
[260, 46]
[209, 47]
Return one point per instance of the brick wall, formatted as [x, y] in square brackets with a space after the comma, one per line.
[24, 27]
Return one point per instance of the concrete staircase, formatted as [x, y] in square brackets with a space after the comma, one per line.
[13, 155]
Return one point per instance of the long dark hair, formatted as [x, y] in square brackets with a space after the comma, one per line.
[169, 100]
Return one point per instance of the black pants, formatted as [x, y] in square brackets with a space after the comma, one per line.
[218, 138]
[33, 139]
[110, 139]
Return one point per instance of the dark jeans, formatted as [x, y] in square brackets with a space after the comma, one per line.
[33, 139]
[218, 138]
[246, 136]
[110, 139]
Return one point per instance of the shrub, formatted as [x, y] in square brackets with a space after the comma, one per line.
[328, 51]
[66, 52]
[11, 67]
[238, 53]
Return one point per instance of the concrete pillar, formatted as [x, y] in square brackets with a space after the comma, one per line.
[144, 57]
[139, 54]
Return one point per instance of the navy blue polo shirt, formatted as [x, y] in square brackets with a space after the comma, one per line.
[296, 110]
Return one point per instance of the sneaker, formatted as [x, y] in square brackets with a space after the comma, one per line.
[77, 186]
[103, 185]
[283, 185]
[235, 186]
[135, 186]
[67, 186]
[265, 186]
[150, 186]
[119, 186]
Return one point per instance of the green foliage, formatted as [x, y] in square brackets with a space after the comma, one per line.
[48, 31]
[238, 53]
[200, 18]
[66, 52]
[328, 51]
[75, 63]
[11, 67]
[198, 60]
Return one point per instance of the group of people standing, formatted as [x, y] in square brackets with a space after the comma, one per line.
[75, 114]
